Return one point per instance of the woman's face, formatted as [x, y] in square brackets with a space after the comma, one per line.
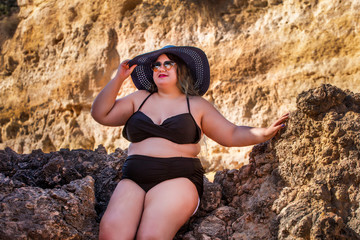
[163, 77]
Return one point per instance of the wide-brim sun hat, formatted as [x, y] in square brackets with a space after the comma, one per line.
[194, 58]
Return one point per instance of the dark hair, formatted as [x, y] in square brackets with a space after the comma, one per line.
[153, 88]
[185, 79]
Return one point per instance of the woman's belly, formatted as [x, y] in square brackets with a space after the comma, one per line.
[160, 147]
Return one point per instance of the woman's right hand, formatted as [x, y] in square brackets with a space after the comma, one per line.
[124, 70]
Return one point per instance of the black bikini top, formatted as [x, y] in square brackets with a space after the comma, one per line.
[181, 128]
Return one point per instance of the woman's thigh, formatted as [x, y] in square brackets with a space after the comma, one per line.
[123, 212]
[167, 207]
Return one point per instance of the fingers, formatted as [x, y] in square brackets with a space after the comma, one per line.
[132, 68]
[125, 62]
[276, 126]
[281, 120]
[286, 115]
[276, 129]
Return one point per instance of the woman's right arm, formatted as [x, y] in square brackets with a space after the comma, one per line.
[108, 110]
[222, 131]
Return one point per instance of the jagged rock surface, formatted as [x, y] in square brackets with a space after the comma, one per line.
[36, 213]
[262, 54]
[303, 184]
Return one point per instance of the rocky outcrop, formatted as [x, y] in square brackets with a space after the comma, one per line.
[303, 184]
[67, 212]
[262, 54]
[59, 195]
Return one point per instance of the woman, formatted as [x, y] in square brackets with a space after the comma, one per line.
[164, 120]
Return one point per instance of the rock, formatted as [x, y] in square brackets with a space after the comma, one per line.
[319, 166]
[211, 226]
[302, 184]
[36, 213]
[212, 196]
[320, 100]
[53, 170]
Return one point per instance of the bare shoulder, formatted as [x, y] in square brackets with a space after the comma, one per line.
[133, 99]
[199, 100]
[138, 94]
[199, 104]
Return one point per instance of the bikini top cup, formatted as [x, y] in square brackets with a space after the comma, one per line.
[181, 128]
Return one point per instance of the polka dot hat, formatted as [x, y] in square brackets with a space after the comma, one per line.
[195, 59]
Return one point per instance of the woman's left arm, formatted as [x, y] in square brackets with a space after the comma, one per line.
[222, 131]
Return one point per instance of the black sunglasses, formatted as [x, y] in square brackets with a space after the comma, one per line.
[167, 65]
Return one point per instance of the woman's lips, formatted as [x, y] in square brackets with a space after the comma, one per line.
[162, 75]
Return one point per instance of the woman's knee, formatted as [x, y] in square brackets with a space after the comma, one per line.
[112, 228]
[149, 234]
[107, 229]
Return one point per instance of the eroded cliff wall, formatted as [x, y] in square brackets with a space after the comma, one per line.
[262, 54]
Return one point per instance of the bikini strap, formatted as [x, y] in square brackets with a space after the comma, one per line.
[198, 129]
[188, 103]
[144, 101]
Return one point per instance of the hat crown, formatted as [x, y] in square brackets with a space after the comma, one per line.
[195, 59]
[168, 46]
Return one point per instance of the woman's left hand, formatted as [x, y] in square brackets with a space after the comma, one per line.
[275, 127]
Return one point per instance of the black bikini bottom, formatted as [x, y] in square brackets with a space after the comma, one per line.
[149, 171]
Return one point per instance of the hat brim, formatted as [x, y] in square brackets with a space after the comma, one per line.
[195, 59]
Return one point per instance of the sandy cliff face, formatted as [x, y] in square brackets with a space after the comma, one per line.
[262, 55]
